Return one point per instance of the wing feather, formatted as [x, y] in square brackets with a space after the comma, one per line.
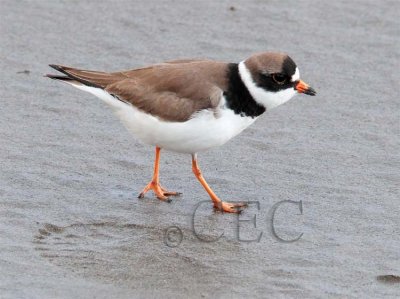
[172, 91]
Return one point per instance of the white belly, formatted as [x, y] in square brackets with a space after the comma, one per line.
[202, 132]
[197, 134]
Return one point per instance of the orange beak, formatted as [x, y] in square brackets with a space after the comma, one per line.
[303, 87]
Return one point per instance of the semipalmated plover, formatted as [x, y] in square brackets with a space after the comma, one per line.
[189, 106]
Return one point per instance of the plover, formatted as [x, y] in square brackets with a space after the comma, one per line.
[189, 106]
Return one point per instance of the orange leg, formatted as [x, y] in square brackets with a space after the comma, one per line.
[218, 203]
[154, 184]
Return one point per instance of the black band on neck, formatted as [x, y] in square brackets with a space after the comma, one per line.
[238, 97]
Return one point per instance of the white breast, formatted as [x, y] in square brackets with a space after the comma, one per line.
[205, 130]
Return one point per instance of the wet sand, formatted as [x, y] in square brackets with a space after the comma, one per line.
[70, 223]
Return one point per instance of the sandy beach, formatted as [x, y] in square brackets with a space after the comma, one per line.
[71, 225]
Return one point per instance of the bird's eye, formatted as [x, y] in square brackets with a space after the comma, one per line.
[279, 78]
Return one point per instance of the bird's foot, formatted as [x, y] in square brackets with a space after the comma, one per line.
[230, 207]
[160, 192]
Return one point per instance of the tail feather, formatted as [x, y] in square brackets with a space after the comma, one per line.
[90, 81]
[65, 79]
[71, 76]
[58, 77]
[85, 77]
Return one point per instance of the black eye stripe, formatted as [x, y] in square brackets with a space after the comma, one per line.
[279, 78]
[274, 82]
[270, 80]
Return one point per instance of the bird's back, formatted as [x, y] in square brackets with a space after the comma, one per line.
[172, 91]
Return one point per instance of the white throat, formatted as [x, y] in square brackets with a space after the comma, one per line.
[265, 98]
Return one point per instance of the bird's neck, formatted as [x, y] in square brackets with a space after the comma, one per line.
[238, 97]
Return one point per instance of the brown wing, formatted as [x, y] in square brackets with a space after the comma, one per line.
[173, 91]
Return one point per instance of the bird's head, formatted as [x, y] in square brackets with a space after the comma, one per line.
[272, 78]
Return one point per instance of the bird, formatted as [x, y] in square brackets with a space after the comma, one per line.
[192, 105]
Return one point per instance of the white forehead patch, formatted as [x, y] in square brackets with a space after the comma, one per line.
[266, 98]
[296, 75]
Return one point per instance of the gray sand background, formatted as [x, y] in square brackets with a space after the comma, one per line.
[70, 223]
